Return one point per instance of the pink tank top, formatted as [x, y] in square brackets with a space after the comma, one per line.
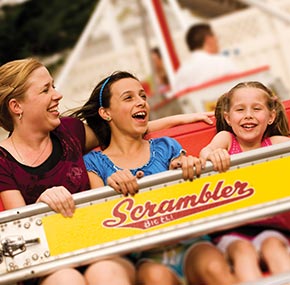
[236, 148]
[278, 221]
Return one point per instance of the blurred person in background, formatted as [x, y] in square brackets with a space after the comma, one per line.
[205, 62]
[161, 78]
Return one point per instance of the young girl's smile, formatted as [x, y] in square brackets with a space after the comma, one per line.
[249, 115]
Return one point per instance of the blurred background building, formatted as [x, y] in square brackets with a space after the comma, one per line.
[84, 40]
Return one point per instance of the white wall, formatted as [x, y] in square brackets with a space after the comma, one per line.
[251, 37]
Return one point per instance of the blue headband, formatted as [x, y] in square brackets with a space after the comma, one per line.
[101, 91]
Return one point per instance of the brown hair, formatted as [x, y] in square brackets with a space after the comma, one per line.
[196, 35]
[100, 97]
[278, 127]
[13, 85]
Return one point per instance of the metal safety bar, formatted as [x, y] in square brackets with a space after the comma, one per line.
[237, 160]
[150, 240]
[159, 237]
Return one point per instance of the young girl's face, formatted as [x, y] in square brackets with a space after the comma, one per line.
[249, 115]
[129, 109]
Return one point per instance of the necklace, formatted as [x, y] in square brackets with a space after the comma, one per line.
[38, 157]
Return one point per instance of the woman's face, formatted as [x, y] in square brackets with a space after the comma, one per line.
[40, 103]
[129, 109]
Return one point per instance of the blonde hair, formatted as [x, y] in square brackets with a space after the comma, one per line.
[278, 127]
[13, 85]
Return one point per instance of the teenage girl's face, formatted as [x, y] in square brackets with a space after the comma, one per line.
[40, 105]
[249, 115]
[129, 109]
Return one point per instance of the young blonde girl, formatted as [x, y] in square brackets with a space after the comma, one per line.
[250, 116]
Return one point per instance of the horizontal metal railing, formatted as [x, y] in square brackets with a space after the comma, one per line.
[159, 237]
[237, 160]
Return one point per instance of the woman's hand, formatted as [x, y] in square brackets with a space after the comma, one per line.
[59, 199]
[123, 181]
[190, 165]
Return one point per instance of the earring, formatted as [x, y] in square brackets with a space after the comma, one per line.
[270, 123]
[20, 116]
[108, 119]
